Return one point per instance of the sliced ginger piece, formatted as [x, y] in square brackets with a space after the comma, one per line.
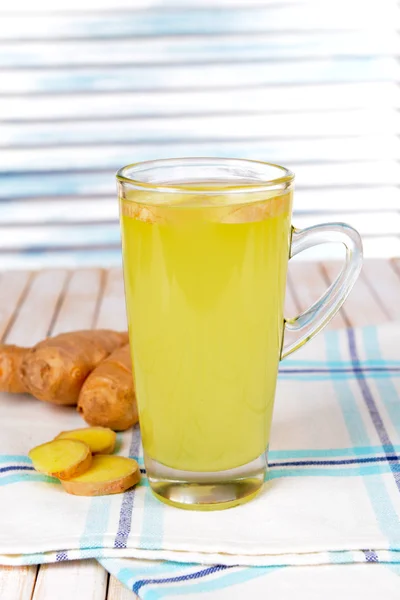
[61, 458]
[101, 440]
[141, 212]
[106, 475]
[253, 212]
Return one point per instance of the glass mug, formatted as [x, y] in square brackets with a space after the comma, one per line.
[206, 244]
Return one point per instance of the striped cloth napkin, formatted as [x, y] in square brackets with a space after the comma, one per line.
[332, 500]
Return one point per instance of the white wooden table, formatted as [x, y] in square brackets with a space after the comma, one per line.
[62, 300]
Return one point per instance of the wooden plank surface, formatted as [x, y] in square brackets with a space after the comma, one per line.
[86, 298]
[309, 285]
[78, 308]
[395, 264]
[34, 319]
[112, 308]
[117, 591]
[91, 299]
[17, 583]
[60, 301]
[12, 288]
[362, 306]
[75, 580]
[383, 280]
[292, 306]
[21, 295]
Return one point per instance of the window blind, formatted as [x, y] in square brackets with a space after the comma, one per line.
[88, 87]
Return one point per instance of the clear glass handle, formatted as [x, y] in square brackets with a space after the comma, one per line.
[319, 314]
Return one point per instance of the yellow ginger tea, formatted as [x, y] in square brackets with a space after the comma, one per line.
[205, 279]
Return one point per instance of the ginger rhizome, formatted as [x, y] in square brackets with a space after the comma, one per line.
[54, 370]
[92, 369]
[107, 397]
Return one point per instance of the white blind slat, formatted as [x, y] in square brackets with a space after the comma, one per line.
[285, 151]
[306, 17]
[321, 98]
[183, 77]
[192, 129]
[196, 49]
[314, 176]
[76, 7]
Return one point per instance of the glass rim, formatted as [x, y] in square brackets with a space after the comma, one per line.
[287, 176]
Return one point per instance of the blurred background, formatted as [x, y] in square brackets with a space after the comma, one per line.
[87, 87]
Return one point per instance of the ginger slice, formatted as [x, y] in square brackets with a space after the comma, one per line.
[106, 475]
[101, 440]
[61, 458]
[254, 212]
[141, 212]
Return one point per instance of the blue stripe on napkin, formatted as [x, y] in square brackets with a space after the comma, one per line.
[125, 518]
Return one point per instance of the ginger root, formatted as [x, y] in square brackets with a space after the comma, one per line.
[11, 358]
[61, 458]
[106, 475]
[100, 440]
[107, 397]
[90, 368]
[54, 370]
